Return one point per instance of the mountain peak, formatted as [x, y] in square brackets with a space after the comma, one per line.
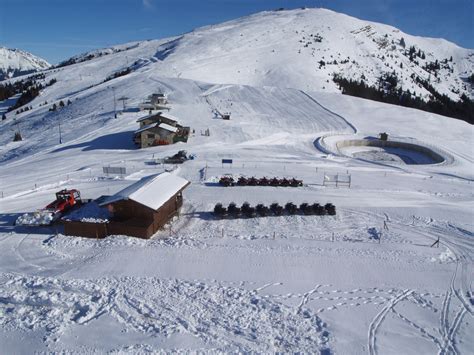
[14, 62]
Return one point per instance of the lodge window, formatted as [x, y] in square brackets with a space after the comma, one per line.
[150, 135]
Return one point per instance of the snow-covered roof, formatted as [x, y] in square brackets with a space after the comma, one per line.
[144, 128]
[152, 191]
[168, 116]
[158, 115]
[147, 117]
[90, 212]
[168, 127]
[147, 104]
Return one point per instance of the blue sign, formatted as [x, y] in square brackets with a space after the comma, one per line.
[226, 161]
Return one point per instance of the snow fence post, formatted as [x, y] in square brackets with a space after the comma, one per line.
[222, 232]
[435, 243]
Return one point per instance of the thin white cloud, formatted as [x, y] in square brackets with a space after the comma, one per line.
[147, 4]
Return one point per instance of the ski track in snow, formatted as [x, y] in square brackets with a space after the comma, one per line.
[379, 318]
[231, 318]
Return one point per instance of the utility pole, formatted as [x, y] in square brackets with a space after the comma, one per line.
[60, 137]
[115, 103]
[124, 101]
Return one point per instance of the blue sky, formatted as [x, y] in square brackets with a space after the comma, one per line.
[59, 29]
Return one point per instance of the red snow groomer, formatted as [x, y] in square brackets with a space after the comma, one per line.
[65, 200]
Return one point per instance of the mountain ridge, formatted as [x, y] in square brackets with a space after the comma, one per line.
[16, 62]
[302, 48]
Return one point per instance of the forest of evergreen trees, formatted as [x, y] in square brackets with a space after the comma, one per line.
[389, 93]
[29, 89]
[118, 74]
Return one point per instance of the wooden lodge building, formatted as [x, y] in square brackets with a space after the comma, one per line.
[139, 210]
[159, 129]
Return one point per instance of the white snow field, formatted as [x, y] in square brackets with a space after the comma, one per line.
[364, 281]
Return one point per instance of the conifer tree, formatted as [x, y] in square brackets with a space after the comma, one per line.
[402, 42]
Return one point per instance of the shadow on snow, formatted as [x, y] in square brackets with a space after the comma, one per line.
[114, 141]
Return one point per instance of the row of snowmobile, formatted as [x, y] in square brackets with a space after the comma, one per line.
[228, 180]
[275, 209]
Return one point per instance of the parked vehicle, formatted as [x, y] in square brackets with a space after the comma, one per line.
[262, 210]
[219, 210]
[291, 208]
[330, 209]
[276, 209]
[227, 180]
[65, 201]
[233, 210]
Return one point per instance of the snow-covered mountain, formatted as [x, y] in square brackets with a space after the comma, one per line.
[15, 62]
[299, 49]
[363, 281]
[303, 49]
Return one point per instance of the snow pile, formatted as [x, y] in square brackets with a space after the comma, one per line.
[445, 257]
[90, 212]
[37, 218]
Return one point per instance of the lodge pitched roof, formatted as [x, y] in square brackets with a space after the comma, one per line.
[158, 115]
[152, 191]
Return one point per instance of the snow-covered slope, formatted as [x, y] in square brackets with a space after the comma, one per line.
[15, 62]
[287, 48]
[299, 49]
[303, 49]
